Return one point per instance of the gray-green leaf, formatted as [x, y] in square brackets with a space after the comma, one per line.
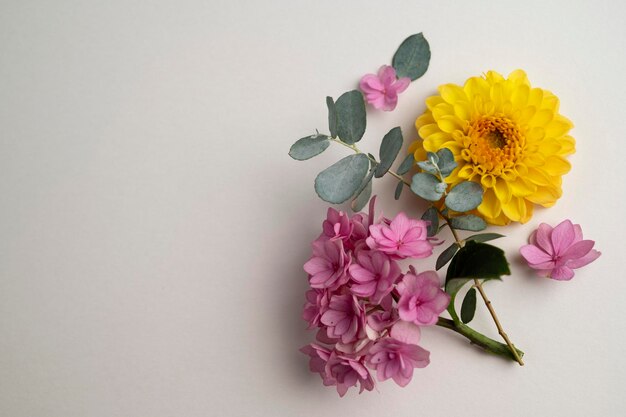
[431, 216]
[309, 147]
[406, 164]
[446, 255]
[424, 185]
[412, 57]
[465, 196]
[351, 120]
[389, 148]
[399, 188]
[332, 116]
[484, 237]
[341, 180]
[468, 222]
[446, 162]
[428, 166]
[363, 194]
[468, 308]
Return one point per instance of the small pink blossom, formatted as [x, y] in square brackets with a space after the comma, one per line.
[381, 90]
[348, 372]
[316, 303]
[328, 267]
[374, 274]
[421, 298]
[556, 252]
[382, 318]
[317, 363]
[345, 318]
[337, 225]
[402, 238]
[396, 356]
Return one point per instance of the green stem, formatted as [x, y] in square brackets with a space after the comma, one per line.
[357, 150]
[481, 340]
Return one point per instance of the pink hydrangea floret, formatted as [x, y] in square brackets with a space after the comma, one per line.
[402, 238]
[344, 318]
[381, 90]
[556, 252]
[397, 355]
[373, 275]
[328, 267]
[421, 298]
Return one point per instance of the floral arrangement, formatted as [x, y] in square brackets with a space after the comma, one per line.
[488, 152]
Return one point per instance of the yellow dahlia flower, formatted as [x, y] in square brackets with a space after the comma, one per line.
[505, 135]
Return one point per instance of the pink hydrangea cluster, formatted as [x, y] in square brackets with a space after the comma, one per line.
[366, 311]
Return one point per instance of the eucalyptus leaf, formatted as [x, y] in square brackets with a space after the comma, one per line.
[363, 194]
[351, 120]
[424, 184]
[446, 255]
[389, 148]
[428, 166]
[468, 222]
[332, 116]
[309, 146]
[406, 165]
[465, 196]
[446, 163]
[431, 216]
[433, 158]
[441, 187]
[399, 188]
[476, 260]
[484, 237]
[341, 180]
[468, 307]
[412, 57]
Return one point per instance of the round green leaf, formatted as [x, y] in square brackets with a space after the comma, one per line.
[351, 120]
[465, 196]
[424, 185]
[341, 180]
[468, 222]
[309, 147]
[412, 57]
[446, 162]
[389, 148]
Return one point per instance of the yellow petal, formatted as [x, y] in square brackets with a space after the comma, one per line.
[490, 207]
[522, 188]
[442, 110]
[519, 97]
[558, 127]
[556, 166]
[519, 77]
[463, 110]
[502, 191]
[568, 145]
[432, 101]
[542, 118]
[428, 130]
[514, 209]
[537, 177]
[424, 119]
[450, 123]
[488, 181]
[452, 93]
[545, 196]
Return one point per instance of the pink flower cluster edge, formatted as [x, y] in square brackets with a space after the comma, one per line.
[367, 312]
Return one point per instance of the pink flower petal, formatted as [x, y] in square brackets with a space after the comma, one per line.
[387, 75]
[591, 256]
[370, 83]
[534, 255]
[406, 332]
[562, 236]
[562, 273]
[578, 250]
[543, 236]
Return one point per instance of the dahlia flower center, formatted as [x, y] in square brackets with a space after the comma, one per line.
[494, 144]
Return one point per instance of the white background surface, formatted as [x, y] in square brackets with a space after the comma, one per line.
[153, 228]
